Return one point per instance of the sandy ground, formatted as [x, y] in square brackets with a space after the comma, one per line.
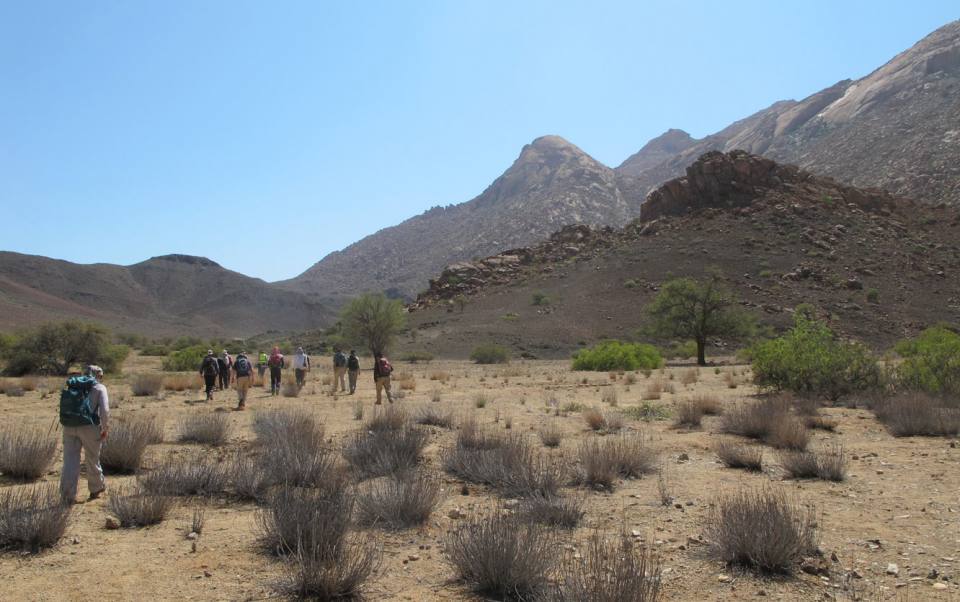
[899, 505]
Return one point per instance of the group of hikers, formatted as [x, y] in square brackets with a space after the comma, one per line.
[219, 371]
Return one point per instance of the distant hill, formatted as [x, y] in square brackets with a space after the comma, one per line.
[172, 294]
[878, 267]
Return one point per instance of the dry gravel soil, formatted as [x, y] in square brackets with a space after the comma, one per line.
[900, 503]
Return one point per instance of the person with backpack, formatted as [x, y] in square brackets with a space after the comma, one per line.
[261, 364]
[276, 364]
[301, 365]
[210, 370]
[381, 375]
[225, 363]
[339, 370]
[85, 415]
[353, 370]
[244, 375]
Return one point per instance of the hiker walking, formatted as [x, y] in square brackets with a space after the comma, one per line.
[276, 365]
[301, 365]
[84, 414]
[381, 375]
[353, 370]
[210, 370]
[244, 375]
[225, 363]
[261, 364]
[339, 370]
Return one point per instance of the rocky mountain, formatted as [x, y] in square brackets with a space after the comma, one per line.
[879, 267]
[897, 128]
[552, 183]
[172, 294]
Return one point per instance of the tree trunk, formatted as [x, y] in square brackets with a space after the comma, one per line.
[701, 354]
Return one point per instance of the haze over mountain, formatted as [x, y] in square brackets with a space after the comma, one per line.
[897, 128]
[167, 295]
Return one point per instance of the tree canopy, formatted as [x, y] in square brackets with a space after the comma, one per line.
[374, 321]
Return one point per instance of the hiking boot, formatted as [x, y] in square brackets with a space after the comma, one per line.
[96, 494]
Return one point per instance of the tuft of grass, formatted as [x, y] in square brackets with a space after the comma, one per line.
[123, 450]
[829, 465]
[185, 476]
[143, 385]
[139, 509]
[606, 422]
[378, 453]
[430, 415]
[647, 412]
[399, 501]
[690, 377]
[182, 382]
[609, 397]
[789, 433]
[31, 518]
[736, 455]
[654, 390]
[314, 575]
[208, 428]
[550, 434]
[25, 453]
[761, 529]
[609, 571]
[918, 414]
[390, 418]
[480, 400]
[603, 461]
[505, 462]
[709, 405]
[502, 556]
[290, 389]
[296, 517]
[688, 415]
[551, 510]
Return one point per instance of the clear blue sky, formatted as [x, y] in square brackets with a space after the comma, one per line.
[266, 134]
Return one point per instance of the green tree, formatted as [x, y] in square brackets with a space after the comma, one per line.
[931, 362]
[690, 309]
[374, 321]
[55, 347]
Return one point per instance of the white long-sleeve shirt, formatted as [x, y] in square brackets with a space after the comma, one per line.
[100, 404]
[301, 361]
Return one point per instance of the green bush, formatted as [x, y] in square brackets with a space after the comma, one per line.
[931, 362]
[540, 299]
[873, 295]
[680, 350]
[185, 360]
[58, 347]
[617, 355]
[155, 349]
[811, 360]
[490, 354]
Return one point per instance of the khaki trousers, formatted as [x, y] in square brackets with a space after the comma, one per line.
[353, 374]
[243, 385]
[339, 373]
[383, 383]
[76, 438]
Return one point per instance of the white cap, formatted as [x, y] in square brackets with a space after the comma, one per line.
[94, 370]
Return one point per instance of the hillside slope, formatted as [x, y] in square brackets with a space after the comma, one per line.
[172, 294]
[878, 267]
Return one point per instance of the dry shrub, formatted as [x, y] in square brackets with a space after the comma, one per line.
[247, 477]
[123, 450]
[276, 426]
[820, 422]
[761, 529]
[375, 453]
[390, 418]
[599, 420]
[551, 510]
[306, 517]
[688, 415]
[316, 576]
[690, 377]
[31, 518]
[502, 556]
[208, 428]
[25, 453]
[604, 460]
[736, 455]
[654, 390]
[432, 416]
[182, 382]
[550, 434]
[789, 433]
[755, 420]
[29, 383]
[915, 413]
[198, 520]
[142, 385]
[829, 465]
[505, 462]
[610, 571]
[730, 379]
[440, 376]
[709, 405]
[630, 379]
[139, 509]
[293, 451]
[407, 382]
[326, 381]
[669, 388]
[480, 400]
[609, 397]
[185, 476]
[289, 388]
[399, 501]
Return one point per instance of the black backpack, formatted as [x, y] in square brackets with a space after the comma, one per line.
[353, 362]
[210, 365]
[242, 366]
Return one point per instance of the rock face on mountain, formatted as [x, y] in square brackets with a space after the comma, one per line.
[552, 183]
[898, 128]
[665, 146]
[172, 294]
[781, 236]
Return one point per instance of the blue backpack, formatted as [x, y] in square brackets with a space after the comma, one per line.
[75, 409]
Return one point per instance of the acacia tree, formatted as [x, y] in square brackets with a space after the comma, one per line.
[374, 321]
[55, 347]
[697, 310]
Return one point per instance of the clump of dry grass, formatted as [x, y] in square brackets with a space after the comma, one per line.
[294, 452]
[31, 518]
[208, 428]
[761, 529]
[820, 422]
[374, 453]
[123, 450]
[551, 510]
[143, 385]
[391, 418]
[730, 379]
[789, 433]
[139, 509]
[550, 434]
[25, 453]
[913, 413]
[599, 420]
[604, 460]
[609, 397]
[760, 420]
[829, 465]
[185, 476]
[399, 501]
[501, 556]
[736, 455]
[505, 462]
[439, 375]
[300, 516]
[690, 377]
[406, 382]
[289, 388]
[654, 390]
[710, 405]
[688, 415]
[315, 575]
[609, 571]
[182, 382]
[430, 415]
